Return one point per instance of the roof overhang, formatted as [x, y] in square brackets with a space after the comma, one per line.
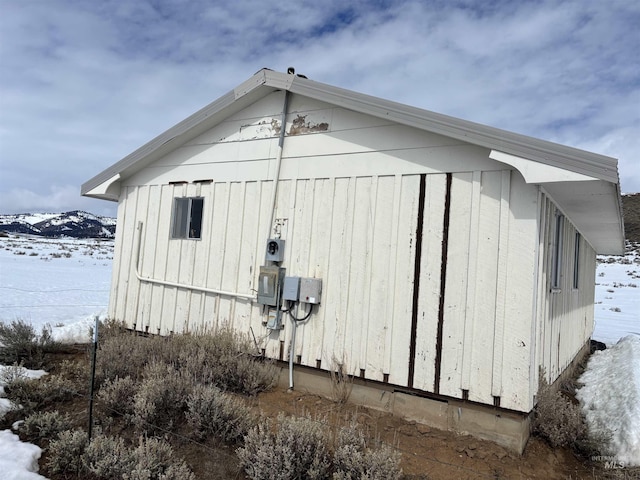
[592, 205]
[563, 171]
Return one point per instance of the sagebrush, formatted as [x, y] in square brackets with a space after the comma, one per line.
[556, 418]
[212, 413]
[46, 425]
[295, 448]
[300, 447]
[20, 343]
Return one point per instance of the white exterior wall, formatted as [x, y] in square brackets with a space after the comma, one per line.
[348, 206]
[565, 314]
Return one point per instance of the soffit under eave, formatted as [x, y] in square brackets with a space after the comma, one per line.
[594, 208]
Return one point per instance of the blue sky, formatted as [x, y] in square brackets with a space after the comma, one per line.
[83, 83]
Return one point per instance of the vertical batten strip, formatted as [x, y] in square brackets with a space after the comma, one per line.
[443, 282]
[416, 280]
[472, 269]
[501, 284]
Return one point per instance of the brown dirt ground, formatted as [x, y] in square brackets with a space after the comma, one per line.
[427, 453]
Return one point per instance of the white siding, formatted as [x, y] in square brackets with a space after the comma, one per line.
[565, 314]
[489, 289]
[348, 205]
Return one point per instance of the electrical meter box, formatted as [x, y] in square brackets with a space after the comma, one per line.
[310, 290]
[270, 281]
[291, 288]
[275, 250]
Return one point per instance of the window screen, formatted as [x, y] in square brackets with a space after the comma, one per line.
[556, 267]
[187, 217]
[576, 262]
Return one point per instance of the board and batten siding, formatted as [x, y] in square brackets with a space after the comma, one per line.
[351, 194]
[565, 310]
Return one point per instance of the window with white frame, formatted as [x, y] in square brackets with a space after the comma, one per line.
[187, 217]
[576, 261]
[556, 265]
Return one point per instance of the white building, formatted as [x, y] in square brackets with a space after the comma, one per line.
[456, 259]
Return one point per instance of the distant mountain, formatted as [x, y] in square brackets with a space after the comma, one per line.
[75, 224]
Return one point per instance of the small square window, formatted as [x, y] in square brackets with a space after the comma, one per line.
[187, 217]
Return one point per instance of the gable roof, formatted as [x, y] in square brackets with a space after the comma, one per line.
[541, 162]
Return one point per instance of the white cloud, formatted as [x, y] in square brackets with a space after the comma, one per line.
[84, 84]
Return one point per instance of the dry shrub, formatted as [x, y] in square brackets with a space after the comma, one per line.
[107, 457]
[341, 382]
[355, 459]
[45, 425]
[76, 373]
[242, 374]
[160, 397]
[66, 453]
[19, 343]
[221, 359]
[154, 459]
[121, 355]
[556, 418]
[116, 397]
[31, 394]
[72, 455]
[296, 448]
[211, 412]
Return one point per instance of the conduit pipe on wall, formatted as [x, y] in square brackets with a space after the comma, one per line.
[276, 177]
[292, 348]
[180, 285]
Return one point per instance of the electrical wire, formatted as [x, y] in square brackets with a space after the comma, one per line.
[294, 318]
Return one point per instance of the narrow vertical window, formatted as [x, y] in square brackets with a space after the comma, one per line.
[556, 267]
[576, 262]
[187, 217]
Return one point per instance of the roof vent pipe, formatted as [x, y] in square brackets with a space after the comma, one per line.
[291, 71]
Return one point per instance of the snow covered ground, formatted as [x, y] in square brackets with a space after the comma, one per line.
[617, 303]
[65, 283]
[60, 282]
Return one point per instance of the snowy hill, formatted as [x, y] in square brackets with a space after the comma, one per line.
[77, 224]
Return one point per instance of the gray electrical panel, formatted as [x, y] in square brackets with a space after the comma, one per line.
[275, 250]
[270, 282]
[310, 290]
[291, 288]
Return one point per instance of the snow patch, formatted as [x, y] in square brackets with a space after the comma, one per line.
[610, 398]
[18, 460]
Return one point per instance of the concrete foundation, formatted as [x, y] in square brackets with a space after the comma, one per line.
[504, 427]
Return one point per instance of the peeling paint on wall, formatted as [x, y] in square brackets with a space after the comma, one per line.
[263, 129]
[300, 126]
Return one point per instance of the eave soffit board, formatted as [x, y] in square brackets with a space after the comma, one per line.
[595, 209]
[107, 190]
[536, 172]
